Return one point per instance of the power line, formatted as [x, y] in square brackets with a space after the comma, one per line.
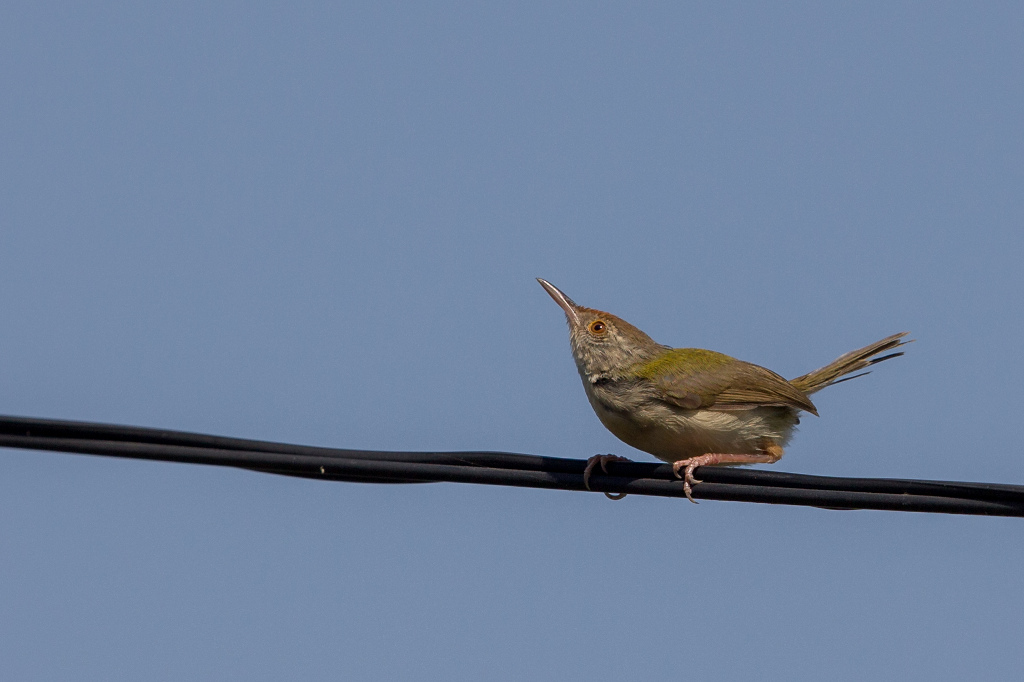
[501, 468]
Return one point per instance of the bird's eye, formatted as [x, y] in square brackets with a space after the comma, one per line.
[597, 327]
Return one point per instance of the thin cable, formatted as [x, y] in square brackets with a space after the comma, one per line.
[500, 468]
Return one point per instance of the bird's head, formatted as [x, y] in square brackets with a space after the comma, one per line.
[602, 343]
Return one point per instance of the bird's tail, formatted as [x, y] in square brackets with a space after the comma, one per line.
[836, 371]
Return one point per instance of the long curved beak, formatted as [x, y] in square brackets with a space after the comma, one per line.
[563, 301]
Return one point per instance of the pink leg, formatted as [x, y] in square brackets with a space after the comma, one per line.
[771, 453]
[603, 461]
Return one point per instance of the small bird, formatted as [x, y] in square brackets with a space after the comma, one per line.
[689, 406]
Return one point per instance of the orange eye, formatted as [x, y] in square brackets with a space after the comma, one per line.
[597, 327]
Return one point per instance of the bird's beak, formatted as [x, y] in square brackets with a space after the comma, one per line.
[563, 301]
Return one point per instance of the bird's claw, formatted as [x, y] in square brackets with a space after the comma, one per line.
[603, 461]
[687, 476]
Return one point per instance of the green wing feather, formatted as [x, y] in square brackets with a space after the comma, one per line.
[693, 378]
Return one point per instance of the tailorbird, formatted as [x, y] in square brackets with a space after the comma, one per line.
[690, 406]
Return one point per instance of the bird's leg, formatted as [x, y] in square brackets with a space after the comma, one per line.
[770, 453]
[603, 461]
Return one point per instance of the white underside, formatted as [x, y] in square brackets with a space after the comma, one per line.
[671, 435]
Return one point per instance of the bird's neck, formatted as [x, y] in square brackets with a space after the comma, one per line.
[615, 364]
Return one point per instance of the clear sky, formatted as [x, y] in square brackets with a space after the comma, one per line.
[322, 223]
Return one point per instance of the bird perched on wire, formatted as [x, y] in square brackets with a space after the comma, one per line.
[689, 406]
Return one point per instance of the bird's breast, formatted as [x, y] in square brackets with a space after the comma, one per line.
[670, 433]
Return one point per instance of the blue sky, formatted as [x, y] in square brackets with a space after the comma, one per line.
[322, 224]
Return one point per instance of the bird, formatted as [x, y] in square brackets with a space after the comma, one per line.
[689, 406]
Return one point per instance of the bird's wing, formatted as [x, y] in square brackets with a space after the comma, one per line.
[698, 379]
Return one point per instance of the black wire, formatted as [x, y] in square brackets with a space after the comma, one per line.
[501, 468]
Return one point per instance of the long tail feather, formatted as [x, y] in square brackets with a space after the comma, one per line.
[833, 372]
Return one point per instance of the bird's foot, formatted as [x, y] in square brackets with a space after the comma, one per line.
[603, 461]
[688, 480]
[771, 453]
